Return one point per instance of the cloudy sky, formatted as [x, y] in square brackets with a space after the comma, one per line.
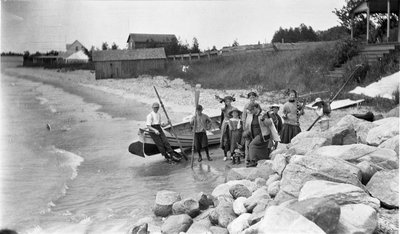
[43, 25]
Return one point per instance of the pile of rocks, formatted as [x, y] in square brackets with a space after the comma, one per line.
[344, 180]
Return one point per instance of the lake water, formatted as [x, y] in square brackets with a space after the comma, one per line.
[65, 167]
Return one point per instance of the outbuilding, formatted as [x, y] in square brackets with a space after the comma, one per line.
[128, 63]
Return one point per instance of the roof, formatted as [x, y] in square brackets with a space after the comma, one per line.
[137, 54]
[376, 6]
[80, 55]
[141, 37]
[69, 45]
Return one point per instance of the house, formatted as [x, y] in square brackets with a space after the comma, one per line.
[77, 57]
[127, 63]
[74, 47]
[139, 40]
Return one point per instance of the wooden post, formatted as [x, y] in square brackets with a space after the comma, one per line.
[367, 22]
[352, 26]
[388, 21]
[398, 31]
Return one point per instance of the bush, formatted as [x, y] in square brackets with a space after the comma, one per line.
[345, 50]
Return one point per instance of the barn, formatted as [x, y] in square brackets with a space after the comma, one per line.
[127, 63]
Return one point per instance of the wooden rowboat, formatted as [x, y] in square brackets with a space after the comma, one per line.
[146, 147]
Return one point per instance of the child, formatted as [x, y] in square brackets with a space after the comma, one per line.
[203, 123]
[225, 136]
[323, 111]
[235, 131]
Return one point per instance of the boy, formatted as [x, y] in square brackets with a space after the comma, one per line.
[203, 123]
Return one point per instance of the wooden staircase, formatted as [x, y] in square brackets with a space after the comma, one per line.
[374, 53]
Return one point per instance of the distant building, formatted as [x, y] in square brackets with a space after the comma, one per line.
[74, 47]
[127, 63]
[139, 40]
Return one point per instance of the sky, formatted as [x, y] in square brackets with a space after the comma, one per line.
[44, 25]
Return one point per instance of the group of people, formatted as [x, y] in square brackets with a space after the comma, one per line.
[251, 134]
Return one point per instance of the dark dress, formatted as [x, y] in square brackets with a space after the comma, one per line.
[258, 147]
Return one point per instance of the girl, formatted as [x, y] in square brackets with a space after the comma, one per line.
[292, 110]
[235, 131]
[225, 139]
[323, 111]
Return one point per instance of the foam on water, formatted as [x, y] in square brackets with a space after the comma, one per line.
[70, 160]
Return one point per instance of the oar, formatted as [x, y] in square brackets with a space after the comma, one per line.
[172, 127]
[196, 103]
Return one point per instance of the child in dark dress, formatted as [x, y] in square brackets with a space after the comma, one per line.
[235, 132]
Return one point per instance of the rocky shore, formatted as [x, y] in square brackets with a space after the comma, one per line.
[344, 180]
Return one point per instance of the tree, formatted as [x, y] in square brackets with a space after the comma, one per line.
[195, 47]
[235, 43]
[104, 46]
[344, 13]
[214, 48]
[88, 52]
[114, 46]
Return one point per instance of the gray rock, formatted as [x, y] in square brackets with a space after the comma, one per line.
[222, 189]
[357, 218]
[323, 212]
[140, 229]
[388, 221]
[383, 158]
[342, 135]
[218, 230]
[249, 184]
[360, 126]
[187, 206]
[223, 214]
[393, 112]
[256, 217]
[199, 227]
[279, 219]
[260, 182]
[392, 143]
[239, 190]
[313, 168]
[259, 195]
[388, 129]
[305, 145]
[238, 206]
[262, 205]
[384, 185]
[274, 177]
[261, 171]
[341, 193]
[204, 215]
[273, 188]
[205, 201]
[367, 171]
[239, 224]
[279, 163]
[175, 224]
[164, 201]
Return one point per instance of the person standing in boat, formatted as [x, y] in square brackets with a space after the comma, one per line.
[235, 132]
[203, 123]
[154, 124]
[225, 143]
[292, 110]
[252, 96]
[260, 130]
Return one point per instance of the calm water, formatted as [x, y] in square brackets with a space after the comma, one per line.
[78, 177]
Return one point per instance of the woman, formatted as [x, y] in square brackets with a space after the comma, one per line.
[252, 96]
[292, 110]
[260, 130]
[225, 140]
[323, 111]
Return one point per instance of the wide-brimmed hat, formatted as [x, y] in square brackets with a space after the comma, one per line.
[274, 105]
[199, 107]
[155, 105]
[317, 100]
[251, 106]
[234, 109]
[228, 98]
[254, 94]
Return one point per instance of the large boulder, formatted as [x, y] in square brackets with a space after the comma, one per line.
[393, 112]
[187, 206]
[259, 195]
[218, 230]
[383, 158]
[305, 169]
[239, 224]
[164, 201]
[279, 219]
[392, 143]
[305, 145]
[140, 229]
[273, 188]
[360, 126]
[175, 224]
[221, 190]
[202, 226]
[367, 171]
[323, 212]
[249, 184]
[388, 221]
[279, 163]
[263, 170]
[357, 218]
[238, 206]
[384, 185]
[342, 135]
[274, 177]
[239, 190]
[260, 182]
[388, 129]
[340, 193]
[223, 214]
[205, 200]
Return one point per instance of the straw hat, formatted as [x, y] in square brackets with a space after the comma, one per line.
[254, 94]
[234, 109]
[155, 105]
[317, 100]
[274, 105]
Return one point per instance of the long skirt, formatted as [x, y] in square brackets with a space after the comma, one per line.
[200, 140]
[161, 141]
[259, 148]
[288, 132]
[235, 138]
[225, 142]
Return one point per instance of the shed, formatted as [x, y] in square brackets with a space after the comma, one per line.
[127, 63]
[141, 40]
